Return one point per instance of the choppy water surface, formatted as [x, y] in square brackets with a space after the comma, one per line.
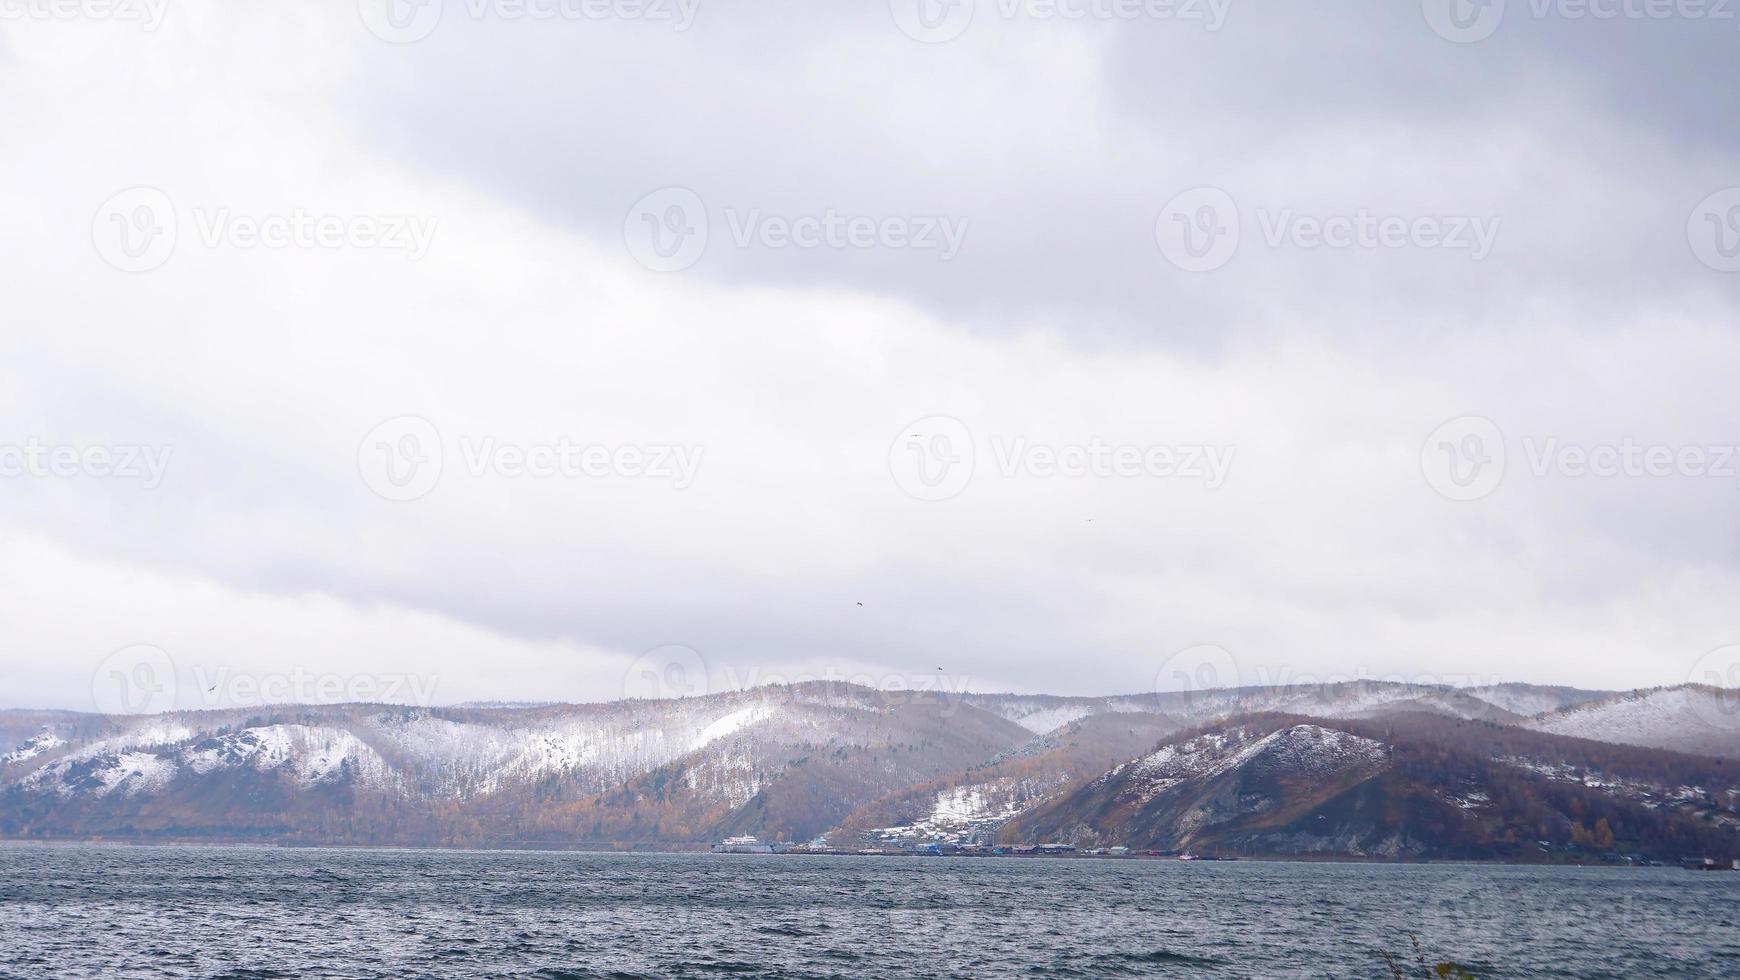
[95, 911]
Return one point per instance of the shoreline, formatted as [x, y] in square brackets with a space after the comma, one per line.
[703, 849]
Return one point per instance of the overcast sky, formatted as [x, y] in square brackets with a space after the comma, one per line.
[447, 352]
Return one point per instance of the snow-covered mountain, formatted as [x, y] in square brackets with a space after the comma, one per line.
[1690, 718]
[1398, 789]
[1189, 792]
[780, 761]
[792, 760]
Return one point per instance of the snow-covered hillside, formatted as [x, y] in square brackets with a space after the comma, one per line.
[1305, 751]
[440, 754]
[1409, 785]
[965, 814]
[1690, 718]
[794, 759]
[35, 745]
[307, 754]
[1040, 713]
[780, 760]
[1534, 699]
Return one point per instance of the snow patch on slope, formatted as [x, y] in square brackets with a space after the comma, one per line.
[960, 805]
[739, 719]
[34, 746]
[129, 773]
[1050, 719]
[1306, 750]
[961, 812]
[154, 731]
[139, 772]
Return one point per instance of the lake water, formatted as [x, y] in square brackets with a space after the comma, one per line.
[122, 912]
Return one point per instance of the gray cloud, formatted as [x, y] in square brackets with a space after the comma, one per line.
[1061, 141]
[1061, 323]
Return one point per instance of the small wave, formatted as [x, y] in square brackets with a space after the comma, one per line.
[1159, 956]
[559, 973]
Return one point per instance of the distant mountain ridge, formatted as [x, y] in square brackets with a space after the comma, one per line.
[794, 762]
